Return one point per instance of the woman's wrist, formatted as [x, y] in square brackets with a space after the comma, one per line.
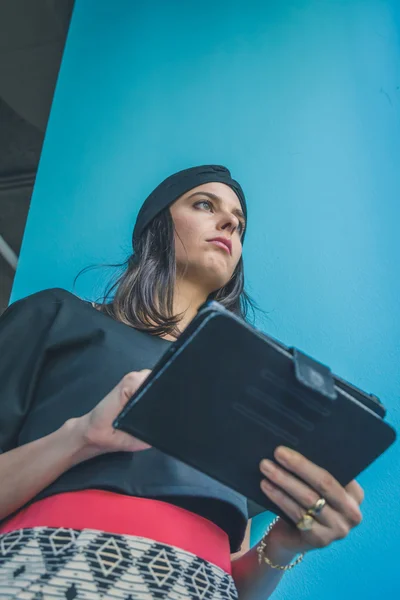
[80, 445]
[278, 546]
[248, 572]
[276, 551]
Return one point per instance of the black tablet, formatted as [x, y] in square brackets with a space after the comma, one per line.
[224, 396]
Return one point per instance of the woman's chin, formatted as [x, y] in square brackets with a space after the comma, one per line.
[212, 276]
[216, 281]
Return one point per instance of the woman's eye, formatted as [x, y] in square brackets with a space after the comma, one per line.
[204, 204]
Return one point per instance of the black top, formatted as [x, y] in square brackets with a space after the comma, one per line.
[59, 358]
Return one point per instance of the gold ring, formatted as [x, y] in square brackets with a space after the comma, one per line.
[306, 522]
[316, 509]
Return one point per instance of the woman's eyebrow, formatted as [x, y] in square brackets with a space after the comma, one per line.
[235, 211]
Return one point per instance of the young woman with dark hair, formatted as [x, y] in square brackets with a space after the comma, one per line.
[90, 512]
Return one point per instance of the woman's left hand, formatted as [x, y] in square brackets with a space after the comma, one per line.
[295, 488]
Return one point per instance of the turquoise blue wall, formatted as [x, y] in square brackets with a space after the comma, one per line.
[301, 99]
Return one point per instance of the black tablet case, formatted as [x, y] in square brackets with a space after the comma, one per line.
[224, 396]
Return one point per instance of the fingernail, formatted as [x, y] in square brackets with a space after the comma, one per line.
[283, 453]
[266, 485]
[267, 466]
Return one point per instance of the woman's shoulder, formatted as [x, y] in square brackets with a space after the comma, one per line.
[46, 300]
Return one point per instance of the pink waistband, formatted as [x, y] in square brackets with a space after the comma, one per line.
[128, 515]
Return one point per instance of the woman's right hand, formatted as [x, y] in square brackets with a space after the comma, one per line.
[98, 434]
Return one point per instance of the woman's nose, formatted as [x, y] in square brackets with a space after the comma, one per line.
[230, 224]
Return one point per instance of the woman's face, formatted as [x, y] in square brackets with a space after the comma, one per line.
[209, 224]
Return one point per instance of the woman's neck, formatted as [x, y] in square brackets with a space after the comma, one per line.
[188, 297]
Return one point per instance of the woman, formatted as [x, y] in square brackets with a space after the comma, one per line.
[91, 512]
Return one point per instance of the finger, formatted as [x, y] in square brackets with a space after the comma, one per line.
[321, 481]
[356, 491]
[135, 377]
[132, 381]
[300, 492]
[128, 387]
[317, 478]
[318, 536]
[145, 372]
[289, 506]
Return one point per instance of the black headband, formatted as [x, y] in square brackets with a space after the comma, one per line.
[178, 184]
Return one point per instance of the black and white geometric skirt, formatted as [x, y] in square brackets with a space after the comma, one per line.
[47, 563]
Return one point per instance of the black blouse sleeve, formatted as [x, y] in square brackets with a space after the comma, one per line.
[24, 329]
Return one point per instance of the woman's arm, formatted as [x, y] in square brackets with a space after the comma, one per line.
[253, 580]
[27, 470]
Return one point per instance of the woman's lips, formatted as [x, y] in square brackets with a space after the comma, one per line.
[224, 244]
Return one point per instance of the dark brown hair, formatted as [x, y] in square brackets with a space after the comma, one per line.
[141, 294]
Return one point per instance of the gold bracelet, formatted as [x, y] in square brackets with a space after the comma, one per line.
[261, 556]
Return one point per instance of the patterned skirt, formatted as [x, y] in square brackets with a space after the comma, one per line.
[45, 563]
